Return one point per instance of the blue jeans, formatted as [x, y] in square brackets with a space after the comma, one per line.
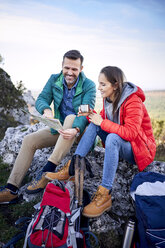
[115, 147]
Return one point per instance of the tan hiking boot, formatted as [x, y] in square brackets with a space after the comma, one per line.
[62, 174]
[100, 203]
[7, 196]
[38, 184]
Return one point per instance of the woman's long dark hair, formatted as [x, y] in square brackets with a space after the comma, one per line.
[115, 75]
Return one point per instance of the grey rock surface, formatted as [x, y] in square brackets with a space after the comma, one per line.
[110, 225]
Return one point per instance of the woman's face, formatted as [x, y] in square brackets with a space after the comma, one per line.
[105, 87]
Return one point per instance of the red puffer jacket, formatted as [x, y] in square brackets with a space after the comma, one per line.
[135, 127]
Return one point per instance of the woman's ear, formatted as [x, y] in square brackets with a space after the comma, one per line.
[116, 85]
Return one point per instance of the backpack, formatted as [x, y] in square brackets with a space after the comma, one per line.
[148, 194]
[59, 221]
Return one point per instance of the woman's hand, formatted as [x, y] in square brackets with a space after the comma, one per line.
[95, 118]
[84, 114]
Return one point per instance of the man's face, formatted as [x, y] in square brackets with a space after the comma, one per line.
[71, 70]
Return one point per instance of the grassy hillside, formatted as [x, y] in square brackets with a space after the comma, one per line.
[155, 104]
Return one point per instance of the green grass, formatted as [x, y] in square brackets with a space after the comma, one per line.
[5, 172]
[10, 213]
[160, 153]
[155, 104]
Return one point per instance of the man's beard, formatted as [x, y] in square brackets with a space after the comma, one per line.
[70, 82]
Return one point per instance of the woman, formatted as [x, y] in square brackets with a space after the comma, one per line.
[125, 129]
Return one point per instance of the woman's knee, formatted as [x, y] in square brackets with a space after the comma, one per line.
[112, 139]
[95, 127]
[92, 128]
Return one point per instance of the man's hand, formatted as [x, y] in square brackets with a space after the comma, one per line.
[48, 113]
[96, 119]
[69, 133]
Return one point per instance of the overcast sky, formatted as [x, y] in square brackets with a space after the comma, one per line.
[34, 35]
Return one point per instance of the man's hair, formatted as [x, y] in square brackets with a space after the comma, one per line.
[73, 54]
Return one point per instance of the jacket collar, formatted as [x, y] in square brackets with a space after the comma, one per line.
[82, 77]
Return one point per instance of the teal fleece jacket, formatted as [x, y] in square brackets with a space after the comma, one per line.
[53, 92]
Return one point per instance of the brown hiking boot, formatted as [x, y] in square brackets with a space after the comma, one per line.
[100, 203]
[38, 184]
[62, 174]
[7, 196]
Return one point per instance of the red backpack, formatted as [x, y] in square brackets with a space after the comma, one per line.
[58, 221]
[50, 227]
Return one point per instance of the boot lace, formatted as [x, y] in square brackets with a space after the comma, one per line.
[63, 169]
[96, 196]
[37, 179]
[3, 188]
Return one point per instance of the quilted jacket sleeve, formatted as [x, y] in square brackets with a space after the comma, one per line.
[131, 115]
[45, 98]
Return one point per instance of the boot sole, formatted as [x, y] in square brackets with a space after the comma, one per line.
[51, 179]
[96, 215]
[68, 179]
[30, 192]
[10, 202]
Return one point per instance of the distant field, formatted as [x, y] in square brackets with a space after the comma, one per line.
[155, 104]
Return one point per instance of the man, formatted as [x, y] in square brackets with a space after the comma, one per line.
[67, 90]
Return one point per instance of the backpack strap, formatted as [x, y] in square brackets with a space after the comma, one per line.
[29, 228]
[73, 218]
[14, 240]
[88, 234]
[28, 232]
[22, 224]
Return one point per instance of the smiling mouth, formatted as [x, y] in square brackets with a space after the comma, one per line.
[69, 77]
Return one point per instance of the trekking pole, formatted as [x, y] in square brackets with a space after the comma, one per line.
[76, 166]
[76, 180]
[82, 169]
[80, 196]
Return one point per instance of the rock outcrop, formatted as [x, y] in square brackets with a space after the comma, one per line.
[110, 226]
[11, 103]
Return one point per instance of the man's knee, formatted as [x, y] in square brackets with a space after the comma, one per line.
[29, 141]
[70, 117]
[69, 121]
